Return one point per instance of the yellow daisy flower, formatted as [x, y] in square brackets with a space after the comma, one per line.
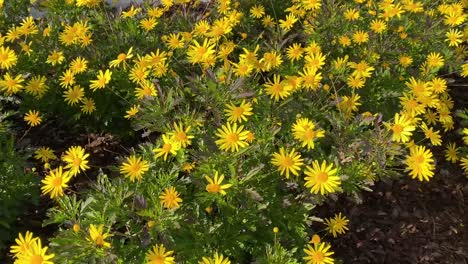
[337, 225]
[322, 178]
[181, 135]
[74, 95]
[159, 255]
[170, 146]
[45, 154]
[33, 118]
[76, 159]
[402, 128]
[97, 236]
[231, 137]
[8, 58]
[11, 85]
[318, 254]
[420, 163]
[23, 244]
[238, 113]
[214, 184]
[134, 168]
[304, 131]
[103, 78]
[55, 182]
[35, 253]
[451, 153]
[287, 162]
[170, 198]
[216, 259]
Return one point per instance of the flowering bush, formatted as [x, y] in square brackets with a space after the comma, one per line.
[255, 113]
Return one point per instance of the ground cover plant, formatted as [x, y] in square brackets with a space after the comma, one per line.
[250, 114]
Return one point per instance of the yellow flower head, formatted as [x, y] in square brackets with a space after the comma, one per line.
[170, 198]
[182, 135]
[76, 160]
[322, 178]
[337, 225]
[8, 58]
[402, 128]
[238, 113]
[287, 162]
[214, 184]
[35, 254]
[134, 168]
[420, 163]
[319, 253]
[232, 137]
[304, 131]
[97, 236]
[33, 118]
[216, 259]
[23, 243]
[170, 146]
[159, 255]
[45, 154]
[103, 78]
[55, 182]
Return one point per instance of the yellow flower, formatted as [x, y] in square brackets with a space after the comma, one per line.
[197, 53]
[55, 182]
[170, 146]
[148, 23]
[405, 61]
[336, 225]
[55, 57]
[287, 24]
[33, 118]
[214, 184]
[23, 244]
[78, 65]
[257, 11]
[36, 86]
[433, 136]
[181, 135]
[287, 162]
[454, 37]
[97, 236]
[132, 111]
[318, 254]
[88, 105]
[277, 89]
[464, 70]
[74, 95]
[103, 78]
[28, 26]
[355, 82]
[122, 58]
[294, 52]
[231, 137]
[272, 60]
[147, 88]
[131, 12]
[360, 37]
[438, 85]
[174, 41]
[344, 41]
[67, 79]
[76, 160]
[310, 78]
[45, 154]
[134, 168]
[451, 153]
[11, 85]
[322, 178]
[378, 26]
[8, 58]
[420, 163]
[88, 3]
[170, 198]
[304, 131]
[402, 128]
[315, 239]
[216, 259]
[238, 113]
[35, 254]
[351, 14]
[361, 69]
[158, 255]
[435, 60]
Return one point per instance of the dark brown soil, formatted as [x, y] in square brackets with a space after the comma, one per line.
[407, 221]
